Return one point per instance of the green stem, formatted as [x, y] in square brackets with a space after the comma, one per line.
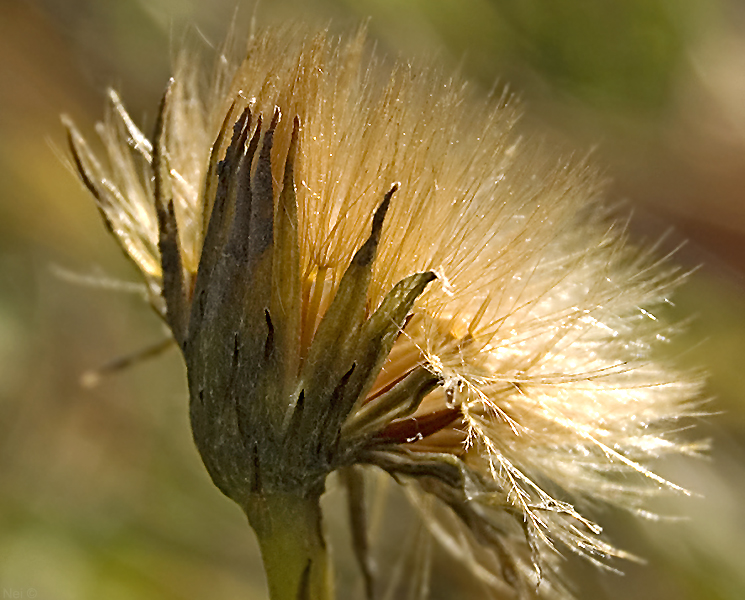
[290, 535]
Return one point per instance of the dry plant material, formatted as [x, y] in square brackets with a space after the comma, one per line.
[363, 265]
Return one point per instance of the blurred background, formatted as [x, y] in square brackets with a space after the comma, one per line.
[103, 494]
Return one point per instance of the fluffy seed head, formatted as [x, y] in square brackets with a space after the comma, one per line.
[516, 387]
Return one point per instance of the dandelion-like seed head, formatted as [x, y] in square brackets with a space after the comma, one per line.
[363, 265]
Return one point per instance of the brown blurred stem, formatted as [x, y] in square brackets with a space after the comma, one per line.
[354, 480]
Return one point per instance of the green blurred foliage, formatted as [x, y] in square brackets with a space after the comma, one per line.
[613, 54]
[103, 493]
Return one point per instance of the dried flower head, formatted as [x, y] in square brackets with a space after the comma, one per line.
[481, 329]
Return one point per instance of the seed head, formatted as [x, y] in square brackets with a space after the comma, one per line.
[363, 265]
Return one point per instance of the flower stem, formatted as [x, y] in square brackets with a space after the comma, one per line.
[290, 535]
